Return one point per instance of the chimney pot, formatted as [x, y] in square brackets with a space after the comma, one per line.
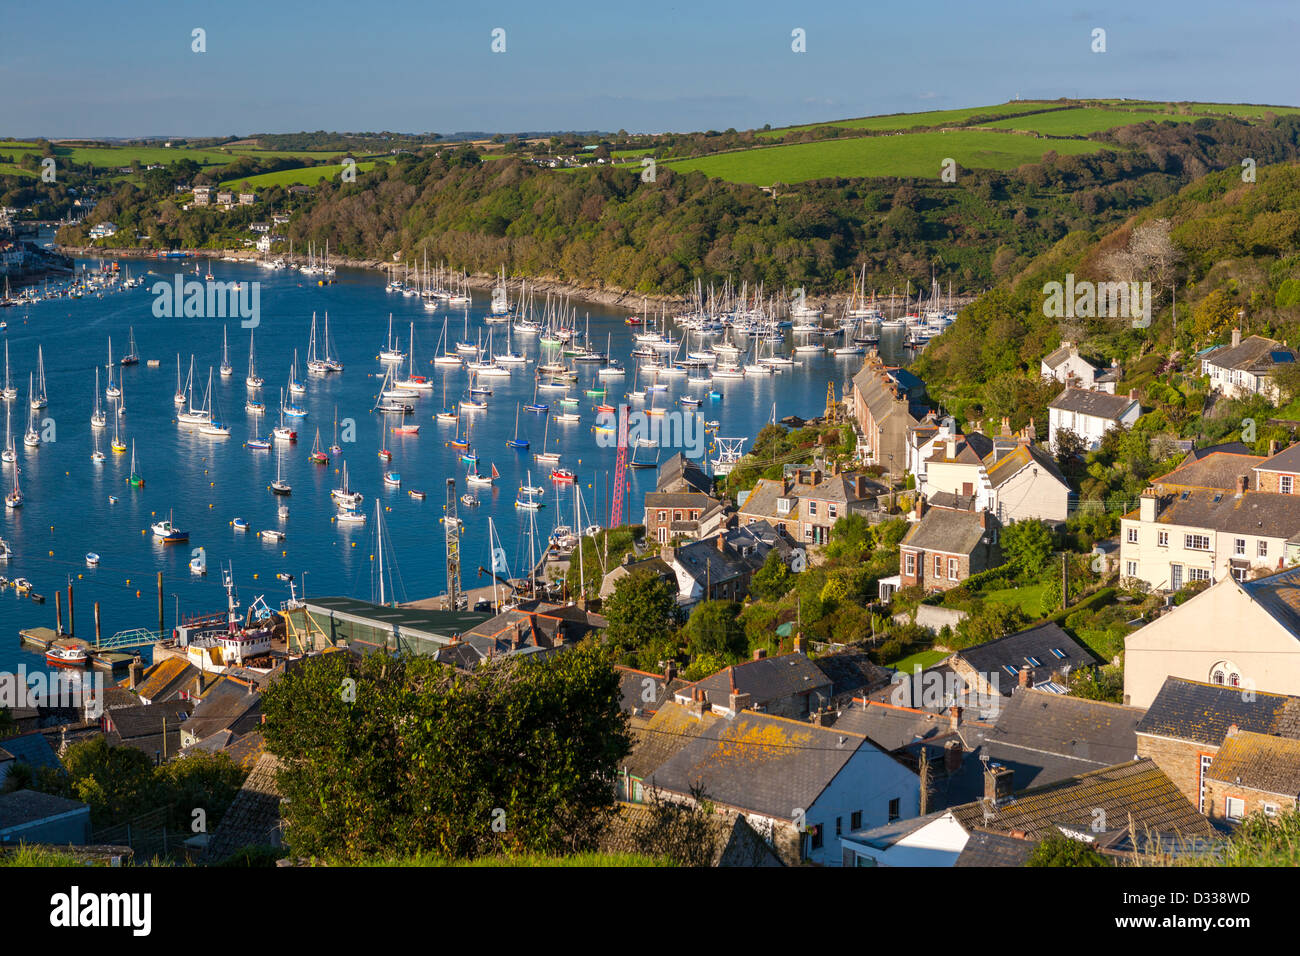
[997, 784]
[1026, 679]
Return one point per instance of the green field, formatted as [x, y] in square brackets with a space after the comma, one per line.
[913, 154]
[1084, 120]
[922, 659]
[905, 121]
[307, 176]
[112, 157]
[1029, 599]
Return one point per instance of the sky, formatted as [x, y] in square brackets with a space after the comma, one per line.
[78, 68]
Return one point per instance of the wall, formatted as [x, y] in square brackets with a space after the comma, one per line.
[1179, 759]
[1218, 791]
[1026, 495]
[1154, 560]
[867, 782]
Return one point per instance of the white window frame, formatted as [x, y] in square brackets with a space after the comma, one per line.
[954, 569]
[1132, 535]
[1234, 803]
[1286, 485]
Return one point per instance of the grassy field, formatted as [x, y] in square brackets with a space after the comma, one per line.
[1084, 120]
[307, 176]
[912, 154]
[905, 121]
[1028, 599]
[923, 659]
[111, 157]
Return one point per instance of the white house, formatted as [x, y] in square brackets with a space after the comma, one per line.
[1068, 367]
[1090, 414]
[1246, 368]
[936, 839]
[103, 230]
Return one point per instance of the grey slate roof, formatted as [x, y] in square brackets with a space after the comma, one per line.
[891, 728]
[1096, 404]
[1084, 731]
[679, 473]
[1286, 461]
[28, 806]
[767, 679]
[947, 530]
[1279, 595]
[1014, 651]
[1258, 761]
[851, 672]
[1192, 710]
[1219, 470]
[253, 818]
[985, 848]
[635, 685]
[1255, 354]
[1254, 512]
[33, 749]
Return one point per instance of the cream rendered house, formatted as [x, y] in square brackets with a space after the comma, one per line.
[1089, 415]
[1205, 535]
[1237, 634]
[1007, 476]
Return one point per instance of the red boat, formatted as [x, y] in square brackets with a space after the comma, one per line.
[406, 430]
[562, 476]
[66, 655]
[632, 320]
[606, 409]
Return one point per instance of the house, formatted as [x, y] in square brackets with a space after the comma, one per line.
[170, 678]
[102, 230]
[1120, 809]
[1217, 470]
[253, 818]
[886, 402]
[683, 504]
[225, 198]
[154, 729]
[247, 199]
[799, 785]
[642, 693]
[1246, 367]
[1252, 773]
[280, 218]
[790, 685]
[259, 227]
[718, 568]
[536, 630]
[202, 195]
[1089, 415]
[30, 750]
[734, 841]
[946, 545]
[1173, 539]
[1068, 367]
[230, 704]
[29, 816]
[1280, 471]
[807, 502]
[1237, 634]
[1187, 723]
[1007, 475]
[1042, 656]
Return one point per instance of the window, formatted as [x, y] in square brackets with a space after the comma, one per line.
[1010, 669]
[663, 535]
[830, 509]
[1032, 662]
[1162, 539]
[909, 563]
[783, 506]
[855, 820]
[895, 809]
[1132, 535]
[1198, 574]
[1058, 653]
[1285, 485]
[677, 516]
[954, 568]
[1131, 569]
[838, 830]
[1270, 809]
[1240, 546]
[663, 516]
[938, 566]
[1225, 673]
[1262, 549]
[1196, 542]
[812, 507]
[1235, 808]
[1206, 760]
[1240, 573]
[817, 837]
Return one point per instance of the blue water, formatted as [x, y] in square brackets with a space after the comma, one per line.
[206, 482]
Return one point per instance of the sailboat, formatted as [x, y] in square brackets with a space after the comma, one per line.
[192, 415]
[281, 431]
[529, 495]
[131, 358]
[252, 380]
[447, 415]
[390, 353]
[213, 426]
[517, 442]
[331, 364]
[444, 357]
[227, 369]
[537, 406]
[412, 381]
[336, 448]
[14, 499]
[292, 410]
[134, 479]
[97, 417]
[32, 439]
[317, 456]
[118, 446]
[8, 454]
[344, 494]
[474, 478]
[315, 365]
[179, 397]
[545, 457]
[9, 392]
[295, 387]
[96, 455]
[279, 486]
[38, 400]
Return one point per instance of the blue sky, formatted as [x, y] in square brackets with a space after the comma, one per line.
[81, 68]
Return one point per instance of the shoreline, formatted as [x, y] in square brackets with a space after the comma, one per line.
[482, 280]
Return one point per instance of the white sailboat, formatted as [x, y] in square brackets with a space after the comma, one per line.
[97, 417]
[39, 400]
[192, 415]
[179, 397]
[417, 383]
[253, 381]
[10, 392]
[390, 352]
[32, 439]
[344, 494]
[227, 369]
[295, 386]
[8, 455]
[111, 390]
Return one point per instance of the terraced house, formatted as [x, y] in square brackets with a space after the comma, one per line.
[887, 402]
[1006, 475]
[946, 545]
[808, 502]
[1246, 367]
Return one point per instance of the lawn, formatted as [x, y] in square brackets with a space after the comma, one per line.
[307, 176]
[1029, 599]
[922, 659]
[904, 154]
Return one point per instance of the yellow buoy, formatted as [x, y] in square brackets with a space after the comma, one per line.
[51, 554]
[137, 593]
[354, 544]
[254, 577]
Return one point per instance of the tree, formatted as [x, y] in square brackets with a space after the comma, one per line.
[641, 612]
[1069, 446]
[405, 755]
[773, 579]
[687, 832]
[1027, 545]
[714, 628]
[1060, 850]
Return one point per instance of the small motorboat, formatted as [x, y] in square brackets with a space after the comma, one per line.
[417, 495]
[562, 476]
[469, 501]
[393, 479]
[351, 516]
[271, 534]
[64, 655]
[92, 559]
[239, 524]
[168, 533]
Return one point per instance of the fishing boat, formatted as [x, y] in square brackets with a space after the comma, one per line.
[227, 369]
[318, 456]
[393, 479]
[67, 655]
[130, 358]
[280, 486]
[167, 532]
[350, 516]
[417, 495]
[469, 501]
[517, 442]
[252, 380]
[344, 494]
[135, 479]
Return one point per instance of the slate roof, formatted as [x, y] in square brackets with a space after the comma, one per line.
[1286, 461]
[28, 806]
[1231, 447]
[145, 725]
[947, 530]
[1279, 595]
[1253, 512]
[1095, 404]
[890, 727]
[679, 473]
[851, 672]
[1255, 354]
[33, 749]
[1014, 650]
[1259, 762]
[969, 449]
[1218, 470]
[253, 818]
[887, 834]
[760, 763]
[670, 730]
[227, 705]
[1087, 731]
[704, 562]
[166, 679]
[1019, 458]
[985, 848]
[1057, 356]
[765, 680]
[632, 688]
[1192, 710]
[1138, 791]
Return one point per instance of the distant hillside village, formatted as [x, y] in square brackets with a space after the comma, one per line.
[970, 676]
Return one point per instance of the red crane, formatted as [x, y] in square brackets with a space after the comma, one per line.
[620, 469]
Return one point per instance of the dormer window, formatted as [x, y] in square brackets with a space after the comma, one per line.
[783, 506]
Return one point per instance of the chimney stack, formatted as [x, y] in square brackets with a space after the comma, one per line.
[670, 671]
[136, 671]
[800, 646]
[920, 506]
[952, 447]
[1272, 447]
[1241, 484]
[954, 717]
[722, 543]
[1236, 337]
[952, 754]
[760, 653]
[1026, 679]
[997, 784]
